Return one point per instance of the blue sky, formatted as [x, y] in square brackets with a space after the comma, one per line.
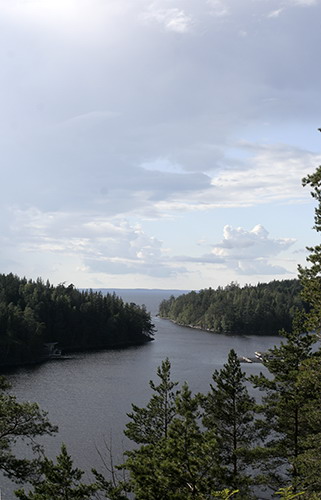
[158, 144]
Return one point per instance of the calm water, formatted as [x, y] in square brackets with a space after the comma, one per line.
[88, 395]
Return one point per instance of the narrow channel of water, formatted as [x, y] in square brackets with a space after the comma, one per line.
[88, 395]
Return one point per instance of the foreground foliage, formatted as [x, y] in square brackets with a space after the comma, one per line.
[286, 423]
[59, 481]
[149, 425]
[20, 422]
[229, 411]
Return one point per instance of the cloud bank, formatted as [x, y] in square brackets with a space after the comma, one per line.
[124, 112]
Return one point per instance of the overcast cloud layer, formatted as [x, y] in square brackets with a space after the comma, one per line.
[158, 144]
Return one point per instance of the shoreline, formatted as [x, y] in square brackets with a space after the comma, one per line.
[70, 350]
[208, 330]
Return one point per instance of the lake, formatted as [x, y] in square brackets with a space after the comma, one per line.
[89, 394]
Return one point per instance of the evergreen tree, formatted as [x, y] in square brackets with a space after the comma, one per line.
[229, 410]
[150, 424]
[310, 277]
[33, 313]
[20, 422]
[288, 494]
[112, 490]
[59, 481]
[292, 403]
[283, 405]
[184, 465]
[309, 461]
[260, 310]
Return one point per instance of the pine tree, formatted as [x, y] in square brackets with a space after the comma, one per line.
[283, 405]
[310, 277]
[20, 421]
[184, 465]
[309, 460]
[59, 481]
[150, 424]
[291, 404]
[229, 410]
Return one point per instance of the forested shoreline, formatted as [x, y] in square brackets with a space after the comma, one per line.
[263, 309]
[34, 314]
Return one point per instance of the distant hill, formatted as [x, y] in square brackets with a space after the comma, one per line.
[151, 298]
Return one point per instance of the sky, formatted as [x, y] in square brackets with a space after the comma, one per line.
[158, 144]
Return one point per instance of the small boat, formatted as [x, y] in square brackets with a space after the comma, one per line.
[246, 360]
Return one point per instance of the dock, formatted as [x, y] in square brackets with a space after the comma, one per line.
[258, 358]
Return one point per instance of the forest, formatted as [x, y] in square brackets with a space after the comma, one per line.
[228, 443]
[263, 309]
[34, 314]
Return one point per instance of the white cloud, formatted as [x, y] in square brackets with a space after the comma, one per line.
[275, 13]
[269, 173]
[245, 252]
[256, 180]
[98, 243]
[251, 252]
[204, 259]
[75, 21]
[305, 3]
[219, 8]
[257, 267]
[172, 19]
[240, 243]
[102, 245]
[292, 3]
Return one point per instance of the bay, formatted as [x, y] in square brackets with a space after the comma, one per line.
[88, 395]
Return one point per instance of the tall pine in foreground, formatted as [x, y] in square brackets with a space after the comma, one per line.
[229, 411]
[310, 277]
[308, 462]
[184, 464]
[148, 425]
[292, 400]
[284, 425]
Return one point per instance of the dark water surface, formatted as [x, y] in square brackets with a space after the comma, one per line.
[88, 395]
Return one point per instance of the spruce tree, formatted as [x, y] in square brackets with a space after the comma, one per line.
[284, 426]
[229, 410]
[59, 481]
[310, 277]
[291, 403]
[184, 465]
[20, 422]
[308, 462]
[150, 424]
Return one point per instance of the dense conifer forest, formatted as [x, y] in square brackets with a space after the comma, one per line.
[261, 310]
[34, 313]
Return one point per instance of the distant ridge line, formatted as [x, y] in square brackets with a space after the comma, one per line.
[140, 289]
